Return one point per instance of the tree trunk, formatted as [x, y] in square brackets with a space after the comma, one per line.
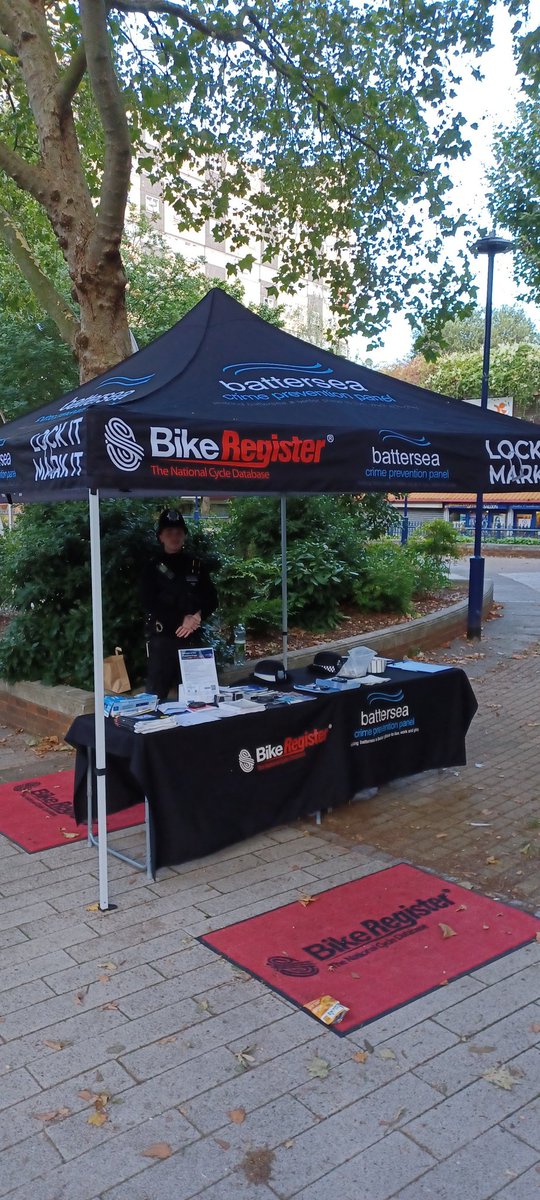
[89, 237]
[103, 339]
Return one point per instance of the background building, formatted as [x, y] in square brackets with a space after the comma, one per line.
[307, 312]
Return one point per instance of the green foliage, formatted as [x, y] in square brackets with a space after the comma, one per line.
[510, 326]
[48, 584]
[389, 578]
[515, 185]
[394, 575]
[437, 537]
[326, 539]
[37, 366]
[514, 371]
[254, 522]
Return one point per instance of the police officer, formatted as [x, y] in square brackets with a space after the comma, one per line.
[177, 595]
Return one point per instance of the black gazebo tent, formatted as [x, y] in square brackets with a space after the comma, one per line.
[226, 403]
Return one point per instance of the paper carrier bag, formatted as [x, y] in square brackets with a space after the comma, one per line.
[115, 676]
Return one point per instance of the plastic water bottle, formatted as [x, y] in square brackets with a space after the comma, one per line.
[239, 644]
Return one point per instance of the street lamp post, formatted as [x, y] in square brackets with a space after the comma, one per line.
[490, 245]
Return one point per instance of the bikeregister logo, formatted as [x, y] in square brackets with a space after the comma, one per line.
[279, 753]
[185, 453]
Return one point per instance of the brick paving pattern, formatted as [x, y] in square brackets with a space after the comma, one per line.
[135, 1064]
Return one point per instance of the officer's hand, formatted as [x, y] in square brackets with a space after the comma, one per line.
[190, 623]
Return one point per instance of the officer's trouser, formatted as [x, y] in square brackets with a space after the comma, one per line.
[163, 664]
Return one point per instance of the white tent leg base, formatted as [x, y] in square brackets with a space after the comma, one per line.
[94, 841]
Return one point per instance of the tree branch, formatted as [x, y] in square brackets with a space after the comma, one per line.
[28, 176]
[235, 34]
[71, 78]
[53, 303]
[117, 161]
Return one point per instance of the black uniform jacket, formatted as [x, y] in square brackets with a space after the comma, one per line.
[172, 586]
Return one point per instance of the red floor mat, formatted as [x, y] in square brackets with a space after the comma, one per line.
[374, 944]
[38, 813]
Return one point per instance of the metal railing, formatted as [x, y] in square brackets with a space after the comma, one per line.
[516, 534]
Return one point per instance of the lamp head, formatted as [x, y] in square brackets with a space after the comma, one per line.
[493, 244]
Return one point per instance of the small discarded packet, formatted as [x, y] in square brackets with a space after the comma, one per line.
[327, 1009]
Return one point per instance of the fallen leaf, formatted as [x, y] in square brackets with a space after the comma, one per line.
[289, 1143]
[361, 1056]
[237, 1115]
[221, 1142]
[167, 1040]
[441, 835]
[204, 1004]
[245, 1057]
[502, 1077]
[53, 1114]
[535, 1027]
[92, 907]
[97, 1118]
[67, 835]
[157, 1150]
[492, 861]
[81, 995]
[386, 1054]
[108, 966]
[46, 744]
[318, 1068]
[447, 930]
[86, 1094]
[104, 979]
[480, 1049]
[461, 908]
[305, 900]
[112, 1006]
[56, 1045]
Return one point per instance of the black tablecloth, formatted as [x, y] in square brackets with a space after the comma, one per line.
[214, 784]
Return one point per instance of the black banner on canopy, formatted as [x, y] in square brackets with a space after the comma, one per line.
[226, 403]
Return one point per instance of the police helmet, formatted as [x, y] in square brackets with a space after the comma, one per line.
[170, 518]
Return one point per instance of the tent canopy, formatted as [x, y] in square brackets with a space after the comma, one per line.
[225, 402]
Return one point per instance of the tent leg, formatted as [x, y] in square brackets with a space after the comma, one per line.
[99, 715]
[284, 601]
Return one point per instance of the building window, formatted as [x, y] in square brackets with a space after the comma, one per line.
[213, 272]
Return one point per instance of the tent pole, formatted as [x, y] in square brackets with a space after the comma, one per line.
[284, 605]
[99, 715]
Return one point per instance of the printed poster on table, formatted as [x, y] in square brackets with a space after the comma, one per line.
[199, 676]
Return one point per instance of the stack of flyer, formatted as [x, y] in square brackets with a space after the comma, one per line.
[144, 722]
[131, 706]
